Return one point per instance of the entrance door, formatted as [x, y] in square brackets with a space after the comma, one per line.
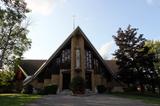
[66, 80]
[88, 80]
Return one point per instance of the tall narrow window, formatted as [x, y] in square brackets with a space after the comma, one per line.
[78, 58]
[65, 58]
[89, 59]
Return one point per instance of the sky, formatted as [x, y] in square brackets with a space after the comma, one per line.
[52, 22]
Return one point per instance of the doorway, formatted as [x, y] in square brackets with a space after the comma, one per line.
[88, 80]
[66, 80]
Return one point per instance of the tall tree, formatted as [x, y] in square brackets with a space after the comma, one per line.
[13, 31]
[155, 48]
[133, 57]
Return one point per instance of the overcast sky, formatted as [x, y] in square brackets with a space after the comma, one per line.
[52, 22]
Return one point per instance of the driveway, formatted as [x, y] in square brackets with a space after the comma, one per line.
[92, 100]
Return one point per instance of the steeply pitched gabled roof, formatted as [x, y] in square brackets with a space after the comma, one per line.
[77, 30]
[112, 66]
[30, 66]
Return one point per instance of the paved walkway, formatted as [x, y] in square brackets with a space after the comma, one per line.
[93, 100]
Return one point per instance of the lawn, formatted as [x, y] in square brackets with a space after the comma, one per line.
[16, 99]
[149, 99]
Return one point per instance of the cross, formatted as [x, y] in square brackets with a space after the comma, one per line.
[74, 17]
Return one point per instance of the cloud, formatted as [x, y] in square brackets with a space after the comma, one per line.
[153, 2]
[105, 49]
[43, 7]
[149, 2]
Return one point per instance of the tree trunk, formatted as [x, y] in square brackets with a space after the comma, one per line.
[159, 89]
[142, 87]
[153, 87]
[5, 46]
[159, 85]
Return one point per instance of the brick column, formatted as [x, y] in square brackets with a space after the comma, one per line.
[60, 81]
[73, 46]
[47, 82]
[77, 42]
[93, 81]
[81, 46]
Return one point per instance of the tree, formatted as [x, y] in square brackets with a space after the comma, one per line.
[155, 48]
[5, 77]
[6, 81]
[133, 57]
[13, 31]
[145, 63]
[128, 44]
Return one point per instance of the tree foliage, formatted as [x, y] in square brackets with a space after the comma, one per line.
[6, 77]
[134, 59]
[13, 31]
[155, 48]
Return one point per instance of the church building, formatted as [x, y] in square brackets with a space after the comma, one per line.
[75, 57]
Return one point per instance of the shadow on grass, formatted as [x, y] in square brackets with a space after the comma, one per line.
[146, 98]
[16, 99]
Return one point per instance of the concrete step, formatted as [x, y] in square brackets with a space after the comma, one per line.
[66, 92]
[69, 92]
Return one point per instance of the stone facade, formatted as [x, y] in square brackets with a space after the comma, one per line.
[77, 43]
[78, 46]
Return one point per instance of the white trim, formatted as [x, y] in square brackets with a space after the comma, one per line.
[63, 70]
[22, 71]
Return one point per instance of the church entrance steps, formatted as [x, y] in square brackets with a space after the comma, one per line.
[66, 92]
[69, 92]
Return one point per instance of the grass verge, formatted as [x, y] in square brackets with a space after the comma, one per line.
[149, 99]
[16, 99]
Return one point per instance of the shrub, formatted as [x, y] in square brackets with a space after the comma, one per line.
[6, 89]
[28, 89]
[130, 89]
[51, 89]
[6, 81]
[101, 88]
[40, 91]
[77, 85]
[109, 89]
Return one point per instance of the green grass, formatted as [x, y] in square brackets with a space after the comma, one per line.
[16, 99]
[149, 99]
